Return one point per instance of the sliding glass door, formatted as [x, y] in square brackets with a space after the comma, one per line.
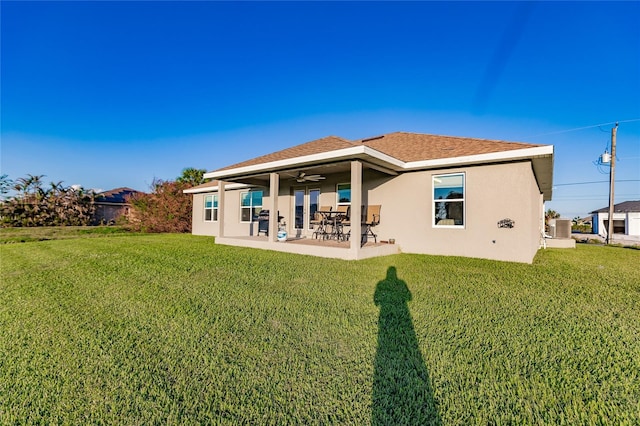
[306, 203]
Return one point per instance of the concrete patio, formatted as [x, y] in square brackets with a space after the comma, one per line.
[314, 247]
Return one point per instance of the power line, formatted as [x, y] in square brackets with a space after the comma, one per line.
[585, 127]
[595, 181]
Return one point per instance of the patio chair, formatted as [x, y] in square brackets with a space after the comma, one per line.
[344, 220]
[318, 222]
[373, 219]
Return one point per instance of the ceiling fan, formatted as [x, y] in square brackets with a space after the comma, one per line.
[303, 177]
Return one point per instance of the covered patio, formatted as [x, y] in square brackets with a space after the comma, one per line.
[285, 181]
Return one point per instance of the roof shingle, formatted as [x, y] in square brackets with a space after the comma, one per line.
[329, 143]
[403, 146]
[624, 207]
[419, 147]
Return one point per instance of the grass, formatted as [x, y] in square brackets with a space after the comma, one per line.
[174, 329]
[46, 233]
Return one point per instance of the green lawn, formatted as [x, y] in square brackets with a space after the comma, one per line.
[166, 329]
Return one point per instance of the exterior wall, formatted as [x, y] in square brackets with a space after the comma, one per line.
[633, 224]
[492, 193]
[198, 224]
[107, 213]
[233, 225]
[630, 222]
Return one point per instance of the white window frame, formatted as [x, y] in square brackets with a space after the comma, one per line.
[462, 200]
[251, 206]
[213, 208]
[338, 203]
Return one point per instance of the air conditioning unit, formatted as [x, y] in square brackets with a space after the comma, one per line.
[563, 228]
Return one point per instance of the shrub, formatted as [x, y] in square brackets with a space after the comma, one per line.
[165, 209]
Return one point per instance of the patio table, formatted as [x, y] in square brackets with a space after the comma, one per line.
[333, 218]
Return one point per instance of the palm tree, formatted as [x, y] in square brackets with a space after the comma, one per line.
[5, 185]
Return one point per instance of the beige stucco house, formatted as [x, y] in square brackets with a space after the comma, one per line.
[439, 195]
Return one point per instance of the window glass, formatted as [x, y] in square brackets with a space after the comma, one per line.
[314, 203]
[256, 198]
[211, 207]
[448, 200]
[251, 204]
[245, 199]
[344, 193]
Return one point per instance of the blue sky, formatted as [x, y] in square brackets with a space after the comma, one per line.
[109, 94]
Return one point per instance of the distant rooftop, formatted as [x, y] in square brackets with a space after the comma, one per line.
[116, 196]
[624, 207]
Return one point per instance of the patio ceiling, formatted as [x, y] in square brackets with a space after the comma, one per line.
[289, 175]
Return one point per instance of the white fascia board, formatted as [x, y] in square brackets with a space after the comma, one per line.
[360, 151]
[516, 154]
[215, 188]
[339, 154]
[397, 164]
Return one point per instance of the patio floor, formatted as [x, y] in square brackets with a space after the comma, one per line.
[314, 247]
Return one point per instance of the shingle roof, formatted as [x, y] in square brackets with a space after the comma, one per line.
[400, 145]
[417, 147]
[117, 195]
[329, 143]
[624, 207]
[209, 184]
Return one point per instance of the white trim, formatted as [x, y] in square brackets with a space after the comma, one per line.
[330, 155]
[214, 210]
[215, 188]
[365, 151]
[251, 207]
[338, 203]
[516, 154]
[456, 200]
[384, 157]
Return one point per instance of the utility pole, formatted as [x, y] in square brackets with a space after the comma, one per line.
[612, 172]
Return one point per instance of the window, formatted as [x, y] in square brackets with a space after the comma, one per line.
[448, 200]
[250, 205]
[210, 208]
[344, 193]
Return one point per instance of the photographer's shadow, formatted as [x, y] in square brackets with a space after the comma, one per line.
[402, 392]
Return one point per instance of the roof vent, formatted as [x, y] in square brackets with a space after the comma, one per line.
[373, 138]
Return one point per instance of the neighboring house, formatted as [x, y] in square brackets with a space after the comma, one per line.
[626, 219]
[587, 220]
[110, 205]
[439, 195]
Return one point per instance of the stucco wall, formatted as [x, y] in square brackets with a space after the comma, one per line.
[198, 224]
[492, 193]
[232, 223]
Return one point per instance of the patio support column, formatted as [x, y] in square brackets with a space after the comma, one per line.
[274, 188]
[356, 208]
[221, 205]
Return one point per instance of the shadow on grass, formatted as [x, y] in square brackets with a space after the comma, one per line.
[402, 392]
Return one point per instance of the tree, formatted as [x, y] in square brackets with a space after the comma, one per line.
[5, 185]
[192, 176]
[35, 205]
[165, 209]
[550, 214]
